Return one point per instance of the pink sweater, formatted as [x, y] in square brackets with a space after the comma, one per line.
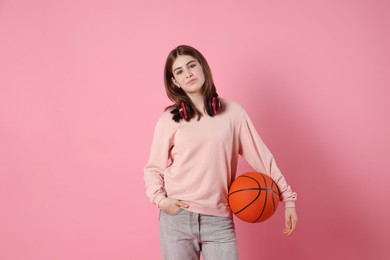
[196, 161]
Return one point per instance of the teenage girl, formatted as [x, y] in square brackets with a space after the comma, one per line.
[193, 161]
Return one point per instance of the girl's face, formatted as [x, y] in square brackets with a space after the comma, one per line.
[188, 74]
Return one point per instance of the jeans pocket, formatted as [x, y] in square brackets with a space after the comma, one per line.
[176, 213]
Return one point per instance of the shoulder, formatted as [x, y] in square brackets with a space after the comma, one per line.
[165, 120]
[166, 115]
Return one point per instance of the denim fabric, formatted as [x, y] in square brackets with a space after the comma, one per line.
[185, 235]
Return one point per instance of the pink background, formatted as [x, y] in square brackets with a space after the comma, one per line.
[81, 90]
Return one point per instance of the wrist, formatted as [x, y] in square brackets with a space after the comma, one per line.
[161, 202]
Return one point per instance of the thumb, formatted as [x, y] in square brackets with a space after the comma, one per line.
[181, 204]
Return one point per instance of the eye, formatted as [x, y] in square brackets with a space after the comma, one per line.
[193, 65]
[179, 72]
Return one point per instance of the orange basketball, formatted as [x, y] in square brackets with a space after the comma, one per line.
[253, 197]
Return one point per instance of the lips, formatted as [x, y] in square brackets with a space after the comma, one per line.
[191, 81]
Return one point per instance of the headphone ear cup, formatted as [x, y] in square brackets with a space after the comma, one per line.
[188, 108]
[210, 106]
[213, 105]
[217, 104]
[185, 110]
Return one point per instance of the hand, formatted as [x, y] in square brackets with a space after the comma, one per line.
[291, 219]
[171, 206]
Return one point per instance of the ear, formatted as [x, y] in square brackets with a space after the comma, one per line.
[175, 82]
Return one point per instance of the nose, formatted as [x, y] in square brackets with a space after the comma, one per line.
[188, 73]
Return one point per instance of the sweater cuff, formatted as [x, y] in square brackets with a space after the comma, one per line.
[289, 204]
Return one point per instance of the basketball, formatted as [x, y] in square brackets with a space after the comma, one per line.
[253, 197]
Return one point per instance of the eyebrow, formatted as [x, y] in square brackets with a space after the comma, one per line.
[186, 65]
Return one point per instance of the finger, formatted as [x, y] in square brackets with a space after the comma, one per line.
[293, 225]
[287, 223]
[287, 226]
[182, 204]
[289, 230]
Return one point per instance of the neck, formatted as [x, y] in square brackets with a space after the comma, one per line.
[197, 99]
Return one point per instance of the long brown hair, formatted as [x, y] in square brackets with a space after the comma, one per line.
[177, 95]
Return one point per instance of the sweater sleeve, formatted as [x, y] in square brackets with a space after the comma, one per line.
[157, 163]
[255, 152]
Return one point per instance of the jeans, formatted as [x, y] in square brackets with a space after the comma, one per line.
[186, 234]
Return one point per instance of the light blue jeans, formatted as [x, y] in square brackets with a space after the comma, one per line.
[186, 234]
